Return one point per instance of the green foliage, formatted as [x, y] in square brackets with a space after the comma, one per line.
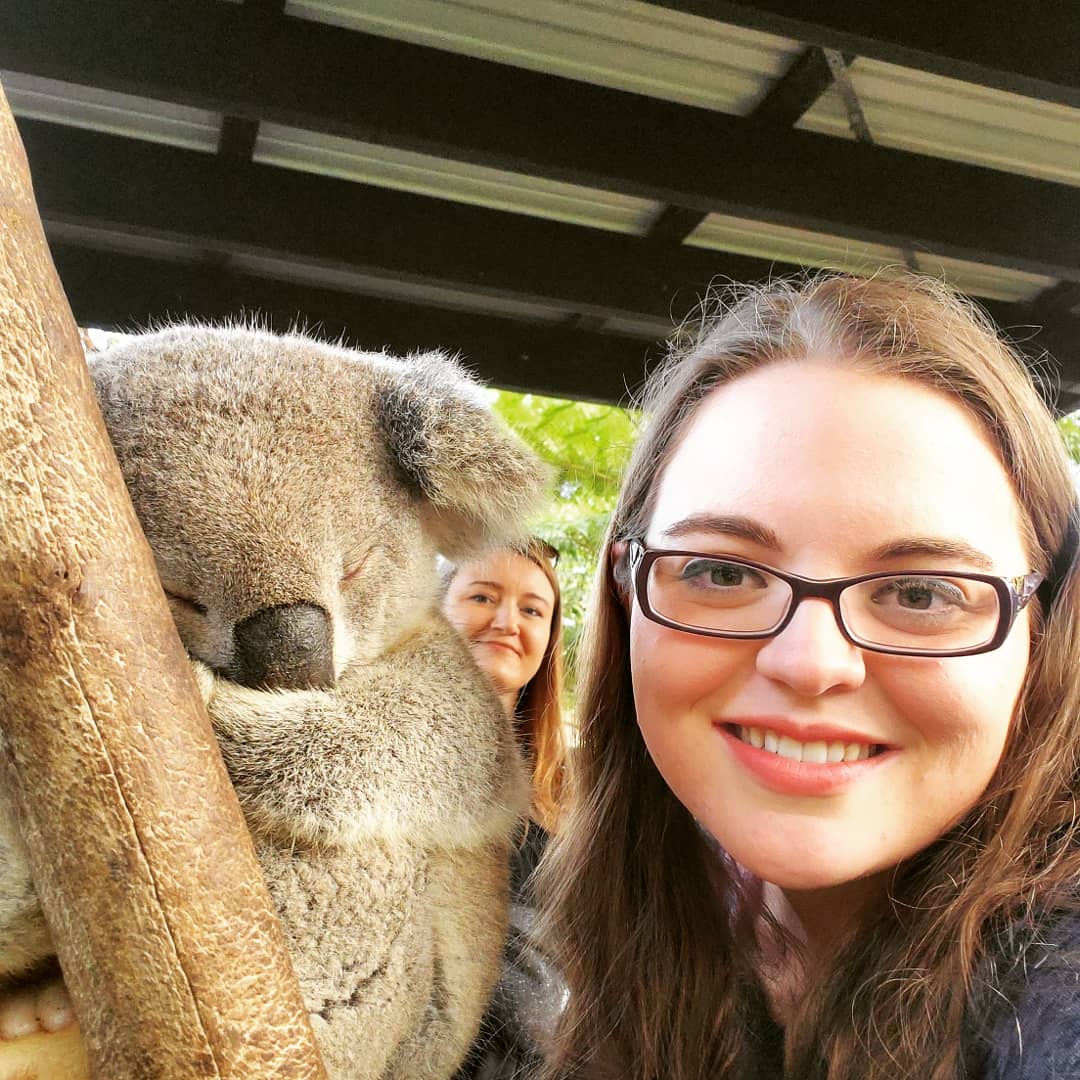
[588, 445]
[1069, 426]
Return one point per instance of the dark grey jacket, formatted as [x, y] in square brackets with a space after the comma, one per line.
[1024, 1023]
[1032, 1030]
[1024, 1020]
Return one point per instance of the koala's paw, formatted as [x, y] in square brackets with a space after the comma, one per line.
[45, 1006]
[205, 680]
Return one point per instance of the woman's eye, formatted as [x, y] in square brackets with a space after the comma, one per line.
[921, 594]
[728, 575]
[186, 601]
[480, 598]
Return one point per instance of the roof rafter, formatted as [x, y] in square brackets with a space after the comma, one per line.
[125, 186]
[320, 77]
[125, 292]
[797, 90]
[127, 194]
[805, 80]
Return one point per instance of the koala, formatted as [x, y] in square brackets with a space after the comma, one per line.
[295, 495]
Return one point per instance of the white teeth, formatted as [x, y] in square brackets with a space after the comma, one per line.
[816, 753]
[789, 748]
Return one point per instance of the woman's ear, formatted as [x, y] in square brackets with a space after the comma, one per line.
[620, 575]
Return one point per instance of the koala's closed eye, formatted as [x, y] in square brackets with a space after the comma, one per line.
[186, 601]
[352, 568]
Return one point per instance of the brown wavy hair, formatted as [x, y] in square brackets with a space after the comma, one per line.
[654, 932]
[538, 716]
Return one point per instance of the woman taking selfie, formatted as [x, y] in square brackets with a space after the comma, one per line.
[507, 606]
[823, 818]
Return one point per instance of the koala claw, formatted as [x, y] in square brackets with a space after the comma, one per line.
[42, 1007]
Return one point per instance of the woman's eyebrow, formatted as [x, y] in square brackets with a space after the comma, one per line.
[934, 547]
[725, 525]
[756, 532]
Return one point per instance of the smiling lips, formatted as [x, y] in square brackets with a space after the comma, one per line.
[822, 762]
[818, 752]
[500, 645]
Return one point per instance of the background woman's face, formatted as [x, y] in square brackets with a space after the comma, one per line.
[826, 472]
[502, 606]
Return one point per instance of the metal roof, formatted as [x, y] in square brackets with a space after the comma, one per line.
[546, 186]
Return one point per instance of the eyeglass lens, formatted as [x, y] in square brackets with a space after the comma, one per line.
[906, 611]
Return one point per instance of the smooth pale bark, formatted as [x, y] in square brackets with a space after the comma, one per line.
[165, 931]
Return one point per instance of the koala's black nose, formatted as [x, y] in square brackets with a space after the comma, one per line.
[288, 647]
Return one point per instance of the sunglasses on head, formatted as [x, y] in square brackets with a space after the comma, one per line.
[536, 545]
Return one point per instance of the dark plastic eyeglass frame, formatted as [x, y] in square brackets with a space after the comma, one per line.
[1013, 596]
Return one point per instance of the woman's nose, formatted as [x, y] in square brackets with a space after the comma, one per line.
[505, 618]
[811, 654]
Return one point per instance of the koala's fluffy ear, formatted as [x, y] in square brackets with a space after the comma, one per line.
[482, 482]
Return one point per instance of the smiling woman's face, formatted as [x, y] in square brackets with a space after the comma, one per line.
[824, 471]
[502, 605]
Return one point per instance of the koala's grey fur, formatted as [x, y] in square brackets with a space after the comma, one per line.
[295, 495]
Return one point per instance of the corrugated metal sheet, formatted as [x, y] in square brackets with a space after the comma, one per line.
[929, 114]
[348, 279]
[618, 43]
[116, 114]
[479, 185]
[768, 241]
[679, 57]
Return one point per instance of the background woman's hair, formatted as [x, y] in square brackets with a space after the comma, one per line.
[539, 716]
[654, 932]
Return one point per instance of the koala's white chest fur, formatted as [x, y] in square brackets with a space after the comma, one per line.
[391, 954]
[359, 926]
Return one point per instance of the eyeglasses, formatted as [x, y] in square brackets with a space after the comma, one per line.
[914, 613]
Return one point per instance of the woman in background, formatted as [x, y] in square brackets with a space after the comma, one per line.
[507, 606]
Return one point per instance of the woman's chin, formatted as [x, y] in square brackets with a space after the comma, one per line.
[787, 871]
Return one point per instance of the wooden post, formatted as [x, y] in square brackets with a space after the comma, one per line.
[164, 929]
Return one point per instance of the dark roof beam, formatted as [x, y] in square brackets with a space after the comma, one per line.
[796, 91]
[237, 139]
[791, 95]
[238, 135]
[125, 292]
[129, 188]
[674, 224]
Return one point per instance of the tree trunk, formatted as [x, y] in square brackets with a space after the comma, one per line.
[148, 879]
